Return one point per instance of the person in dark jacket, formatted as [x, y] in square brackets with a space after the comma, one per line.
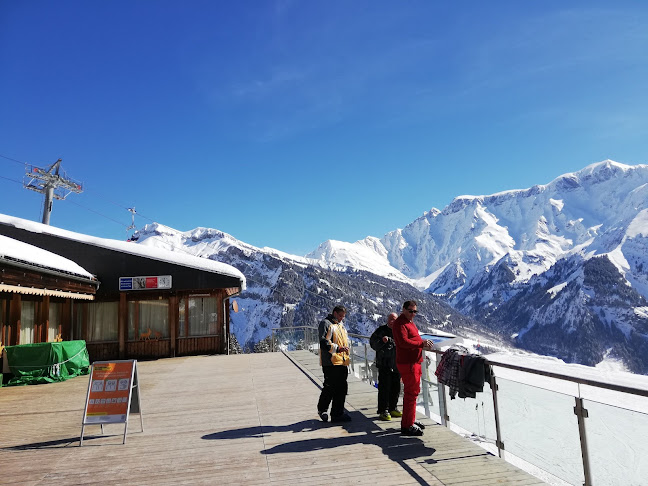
[335, 359]
[382, 341]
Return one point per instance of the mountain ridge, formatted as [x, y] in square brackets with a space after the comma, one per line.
[480, 252]
[285, 290]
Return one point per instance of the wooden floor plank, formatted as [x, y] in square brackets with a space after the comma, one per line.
[243, 419]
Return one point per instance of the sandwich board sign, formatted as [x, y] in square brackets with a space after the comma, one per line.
[113, 394]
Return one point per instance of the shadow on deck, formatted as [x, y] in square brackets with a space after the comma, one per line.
[243, 419]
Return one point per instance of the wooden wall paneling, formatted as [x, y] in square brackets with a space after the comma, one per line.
[27, 278]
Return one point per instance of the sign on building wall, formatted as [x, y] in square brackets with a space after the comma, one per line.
[145, 283]
[113, 393]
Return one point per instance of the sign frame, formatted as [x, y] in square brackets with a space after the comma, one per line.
[146, 282]
[115, 377]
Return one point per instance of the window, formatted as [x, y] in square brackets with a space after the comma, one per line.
[202, 316]
[102, 321]
[54, 320]
[149, 315]
[27, 318]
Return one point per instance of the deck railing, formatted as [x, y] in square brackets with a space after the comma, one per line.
[578, 430]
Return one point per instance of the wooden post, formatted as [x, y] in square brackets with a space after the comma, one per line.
[186, 316]
[42, 314]
[227, 317]
[136, 320]
[220, 322]
[122, 319]
[3, 330]
[173, 324]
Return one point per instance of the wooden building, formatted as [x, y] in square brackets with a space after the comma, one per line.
[37, 289]
[134, 301]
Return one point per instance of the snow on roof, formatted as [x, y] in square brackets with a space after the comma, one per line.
[154, 253]
[27, 253]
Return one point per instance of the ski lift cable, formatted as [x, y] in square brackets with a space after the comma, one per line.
[12, 180]
[85, 190]
[92, 191]
[97, 212]
[13, 160]
[132, 226]
[173, 247]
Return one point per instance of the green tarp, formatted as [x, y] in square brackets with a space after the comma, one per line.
[31, 364]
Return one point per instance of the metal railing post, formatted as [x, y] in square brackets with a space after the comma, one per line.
[498, 440]
[443, 407]
[425, 386]
[581, 413]
[366, 362]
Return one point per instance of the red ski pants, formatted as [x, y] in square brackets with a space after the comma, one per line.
[411, 375]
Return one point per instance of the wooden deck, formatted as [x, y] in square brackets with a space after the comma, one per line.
[243, 419]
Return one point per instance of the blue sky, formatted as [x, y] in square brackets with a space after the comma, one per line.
[287, 123]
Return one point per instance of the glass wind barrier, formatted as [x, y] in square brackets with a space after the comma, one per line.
[540, 427]
[295, 339]
[362, 358]
[471, 417]
[616, 440]
[429, 397]
[474, 415]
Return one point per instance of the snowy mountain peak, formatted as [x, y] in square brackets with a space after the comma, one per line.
[368, 254]
[485, 254]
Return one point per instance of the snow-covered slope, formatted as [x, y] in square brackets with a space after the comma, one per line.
[587, 211]
[285, 290]
[368, 254]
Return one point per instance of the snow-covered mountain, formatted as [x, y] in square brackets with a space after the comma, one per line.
[562, 267]
[285, 290]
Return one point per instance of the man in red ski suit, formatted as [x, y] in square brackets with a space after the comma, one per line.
[409, 356]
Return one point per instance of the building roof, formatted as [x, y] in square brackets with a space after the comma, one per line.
[110, 259]
[14, 251]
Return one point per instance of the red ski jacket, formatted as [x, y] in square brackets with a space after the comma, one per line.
[409, 345]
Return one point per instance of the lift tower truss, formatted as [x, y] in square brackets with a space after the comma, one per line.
[51, 183]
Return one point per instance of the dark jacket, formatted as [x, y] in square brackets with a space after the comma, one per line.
[385, 352]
